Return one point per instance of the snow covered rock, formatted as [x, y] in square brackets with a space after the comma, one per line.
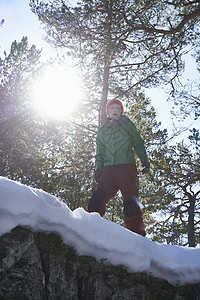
[39, 266]
[94, 236]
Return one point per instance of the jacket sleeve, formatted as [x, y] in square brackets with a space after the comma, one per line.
[137, 142]
[100, 151]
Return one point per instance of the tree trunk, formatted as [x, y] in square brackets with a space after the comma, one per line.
[104, 93]
[107, 60]
[191, 231]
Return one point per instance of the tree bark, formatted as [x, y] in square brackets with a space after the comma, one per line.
[107, 62]
[104, 93]
[191, 231]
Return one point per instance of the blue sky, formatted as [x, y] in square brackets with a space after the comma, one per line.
[20, 21]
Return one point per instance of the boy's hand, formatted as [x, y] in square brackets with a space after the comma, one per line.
[146, 165]
[97, 175]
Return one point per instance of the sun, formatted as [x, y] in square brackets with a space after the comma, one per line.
[57, 92]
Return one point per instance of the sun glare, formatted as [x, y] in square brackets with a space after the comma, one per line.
[57, 93]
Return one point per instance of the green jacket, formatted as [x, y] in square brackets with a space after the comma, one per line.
[115, 143]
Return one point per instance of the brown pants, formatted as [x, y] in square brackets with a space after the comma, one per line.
[124, 178]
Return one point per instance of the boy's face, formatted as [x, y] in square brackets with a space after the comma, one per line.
[114, 111]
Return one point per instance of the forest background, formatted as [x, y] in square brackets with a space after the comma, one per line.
[132, 50]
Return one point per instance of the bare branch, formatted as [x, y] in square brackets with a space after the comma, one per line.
[144, 79]
[137, 63]
[178, 28]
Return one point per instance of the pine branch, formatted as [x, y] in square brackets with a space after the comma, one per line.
[144, 79]
[170, 31]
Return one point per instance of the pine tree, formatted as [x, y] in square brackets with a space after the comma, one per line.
[19, 136]
[177, 169]
[121, 43]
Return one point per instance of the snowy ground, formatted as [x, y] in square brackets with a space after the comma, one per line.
[94, 236]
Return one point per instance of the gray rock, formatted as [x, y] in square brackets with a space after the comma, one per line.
[40, 266]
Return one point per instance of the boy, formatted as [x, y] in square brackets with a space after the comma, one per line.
[116, 166]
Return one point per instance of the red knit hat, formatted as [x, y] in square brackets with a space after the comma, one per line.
[115, 101]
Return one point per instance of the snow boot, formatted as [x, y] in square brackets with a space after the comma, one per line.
[133, 216]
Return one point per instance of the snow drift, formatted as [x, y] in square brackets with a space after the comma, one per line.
[94, 236]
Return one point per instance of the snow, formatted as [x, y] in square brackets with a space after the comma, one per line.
[92, 235]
